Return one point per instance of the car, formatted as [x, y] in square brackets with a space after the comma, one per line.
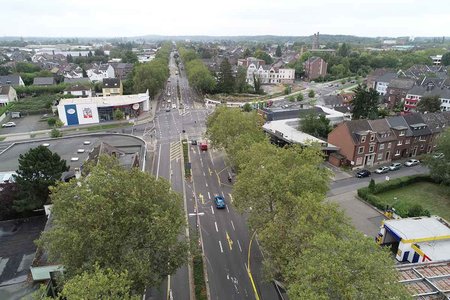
[174, 106]
[194, 142]
[382, 170]
[86, 142]
[438, 155]
[219, 201]
[363, 173]
[168, 109]
[9, 124]
[412, 162]
[395, 166]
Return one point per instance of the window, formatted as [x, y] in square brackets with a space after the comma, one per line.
[380, 156]
[407, 141]
[372, 137]
[399, 143]
[371, 148]
[402, 133]
[422, 147]
[381, 147]
[359, 161]
[397, 152]
[363, 139]
[389, 145]
[422, 138]
[360, 150]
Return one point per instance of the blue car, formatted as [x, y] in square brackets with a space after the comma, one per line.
[219, 201]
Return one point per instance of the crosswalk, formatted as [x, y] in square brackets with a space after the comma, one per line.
[175, 150]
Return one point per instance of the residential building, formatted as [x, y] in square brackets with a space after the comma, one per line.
[79, 91]
[414, 95]
[246, 62]
[122, 70]
[385, 139]
[397, 90]
[437, 123]
[7, 94]
[382, 82]
[98, 72]
[436, 59]
[420, 134]
[14, 80]
[418, 239]
[44, 81]
[269, 74]
[401, 146]
[315, 67]
[83, 80]
[112, 87]
[372, 76]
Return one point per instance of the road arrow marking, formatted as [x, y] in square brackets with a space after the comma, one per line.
[201, 198]
[230, 242]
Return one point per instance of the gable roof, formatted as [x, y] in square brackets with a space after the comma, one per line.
[387, 77]
[383, 130]
[43, 81]
[399, 123]
[4, 89]
[77, 80]
[417, 124]
[13, 79]
[402, 83]
[356, 127]
[437, 122]
[111, 83]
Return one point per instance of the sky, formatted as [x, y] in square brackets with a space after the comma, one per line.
[114, 18]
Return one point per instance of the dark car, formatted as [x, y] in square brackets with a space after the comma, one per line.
[194, 142]
[219, 201]
[363, 173]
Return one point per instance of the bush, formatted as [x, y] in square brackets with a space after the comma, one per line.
[51, 121]
[372, 185]
[417, 211]
[55, 133]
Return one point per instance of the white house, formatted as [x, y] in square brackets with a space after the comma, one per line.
[98, 73]
[7, 94]
[79, 91]
[381, 83]
[269, 74]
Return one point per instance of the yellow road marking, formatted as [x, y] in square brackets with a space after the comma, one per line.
[210, 172]
[201, 198]
[230, 242]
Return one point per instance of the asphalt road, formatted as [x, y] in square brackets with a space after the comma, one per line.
[224, 232]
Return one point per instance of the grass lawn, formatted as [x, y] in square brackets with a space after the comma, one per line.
[434, 197]
[104, 127]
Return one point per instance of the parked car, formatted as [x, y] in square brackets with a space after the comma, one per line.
[194, 142]
[168, 109]
[438, 155]
[395, 166]
[412, 162]
[9, 124]
[363, 173]
[382, 170]
[219, 201]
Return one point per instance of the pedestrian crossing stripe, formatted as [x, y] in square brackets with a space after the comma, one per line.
[175, 150]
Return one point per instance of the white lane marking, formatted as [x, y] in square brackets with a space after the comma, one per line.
[245, 266]
[232, 225]
[204, 175]
[212, 210]
[215, 224]
[206, 184]
[209, 196]
[240, 249]
[159, 160]
[231, 198]
[227, 208]
[220, 244]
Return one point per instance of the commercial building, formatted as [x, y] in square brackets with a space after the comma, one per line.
[315, 67]
[417, 240]
[92, 110]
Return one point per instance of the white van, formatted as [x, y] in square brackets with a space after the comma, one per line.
[174, 106]
[168, 101]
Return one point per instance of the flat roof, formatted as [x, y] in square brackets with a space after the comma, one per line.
[107, 100]
[288, 129]
[436, 250]
[419, 228]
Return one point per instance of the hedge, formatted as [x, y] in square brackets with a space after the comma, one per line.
[372, 198]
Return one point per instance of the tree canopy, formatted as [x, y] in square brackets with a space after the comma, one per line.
[39, 168]
[440, 167]
[445, 61]
[429, 104]
[125, 220]
[365, 103]
[225, 80]
[315, 125]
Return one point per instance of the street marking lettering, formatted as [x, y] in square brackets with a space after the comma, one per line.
[215, 224]
[230, 242]
[220, 244]
[201, 198]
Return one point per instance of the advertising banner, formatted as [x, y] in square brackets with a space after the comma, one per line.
[71, 114]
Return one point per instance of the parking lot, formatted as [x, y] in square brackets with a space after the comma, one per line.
[25, 124]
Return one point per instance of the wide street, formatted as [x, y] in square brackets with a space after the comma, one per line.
[224, 233]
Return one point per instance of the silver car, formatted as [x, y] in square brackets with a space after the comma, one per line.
[395, 166]
[412, 162]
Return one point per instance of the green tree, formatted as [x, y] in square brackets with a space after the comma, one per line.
[445, 61]
[264, 56]
[26, 67]
[225, 82]
[315, 125]
[257, 84]
[372, 185]
[440, 167]
[132, 227]
[246, 53]
[241, 85]
[365, 103]
[429, 104]
[311, 94]
[118, 114]
[278, 51]
[39, 169]
[300, 97]
[199, 76]
[344, 50]
[347, 266]
[151, 76]
[247, 107]
[99, 284]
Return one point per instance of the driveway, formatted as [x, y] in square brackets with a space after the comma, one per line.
[25, 124]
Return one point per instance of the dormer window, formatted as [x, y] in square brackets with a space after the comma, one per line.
[402, 133]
